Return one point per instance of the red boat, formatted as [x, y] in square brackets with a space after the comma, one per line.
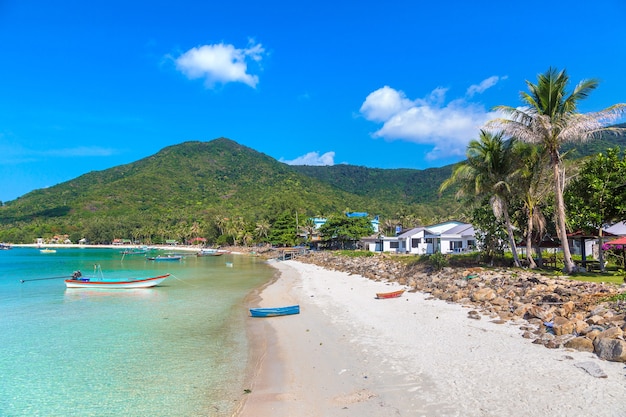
[393, 294]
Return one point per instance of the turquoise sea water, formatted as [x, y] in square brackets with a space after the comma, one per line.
[178, 349]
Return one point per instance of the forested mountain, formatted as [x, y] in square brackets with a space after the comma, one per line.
[199, 187]
[199, 183]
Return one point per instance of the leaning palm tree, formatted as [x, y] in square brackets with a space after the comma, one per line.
[550, 118]
[486, 173]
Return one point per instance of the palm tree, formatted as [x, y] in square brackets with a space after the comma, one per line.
[389, 226]
[487, 172]
[309, 229]
[531, 179]
[262, 229]
[550, 118]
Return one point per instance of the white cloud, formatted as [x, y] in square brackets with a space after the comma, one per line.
[484, 85]
[221, 63]
[313, 158]
[448, 127]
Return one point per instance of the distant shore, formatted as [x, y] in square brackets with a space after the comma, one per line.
[347, 353]
[186, 248]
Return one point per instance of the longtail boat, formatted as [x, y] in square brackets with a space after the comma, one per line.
[165, 258]
[274, 311]
[85, 282]
[393, 294]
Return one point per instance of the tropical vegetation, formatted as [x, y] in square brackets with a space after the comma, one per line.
[550, 119]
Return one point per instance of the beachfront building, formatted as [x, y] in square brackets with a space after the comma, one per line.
[448, 237]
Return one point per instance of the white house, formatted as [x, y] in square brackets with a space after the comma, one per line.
[448, 237]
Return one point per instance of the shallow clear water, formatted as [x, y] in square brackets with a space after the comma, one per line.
[179, 349]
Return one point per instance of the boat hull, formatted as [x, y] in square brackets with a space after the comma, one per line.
[165, 258]
[136, 283]
[275, 311]
[393, 294]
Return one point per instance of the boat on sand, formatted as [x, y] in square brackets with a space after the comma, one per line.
[275, 311]
[392, 294]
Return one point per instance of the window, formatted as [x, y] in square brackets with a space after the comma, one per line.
[394, 245]
[416, 242]
[429, 240]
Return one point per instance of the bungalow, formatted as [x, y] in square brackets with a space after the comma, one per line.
[448, 237]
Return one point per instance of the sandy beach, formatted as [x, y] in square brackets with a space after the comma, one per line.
[349, 354]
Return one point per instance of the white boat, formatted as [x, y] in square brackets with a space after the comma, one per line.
[46, 250]
[85, 282]
[210, 252]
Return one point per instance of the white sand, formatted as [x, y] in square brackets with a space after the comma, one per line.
[349, 354]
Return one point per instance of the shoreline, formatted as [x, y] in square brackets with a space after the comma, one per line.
[349, 354]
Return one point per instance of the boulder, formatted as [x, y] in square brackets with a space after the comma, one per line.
[580, 343]
[483, 294]
[611, 333]
[613, 350]
[562, 326]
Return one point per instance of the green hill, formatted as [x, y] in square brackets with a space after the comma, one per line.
[197, 187]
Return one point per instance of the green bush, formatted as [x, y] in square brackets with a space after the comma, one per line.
[438, 261]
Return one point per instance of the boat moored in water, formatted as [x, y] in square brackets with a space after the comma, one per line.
[78, 281]
[165, 258]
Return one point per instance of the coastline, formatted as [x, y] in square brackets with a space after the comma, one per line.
[350, 354]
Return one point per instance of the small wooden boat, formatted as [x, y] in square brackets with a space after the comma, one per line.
[274, 311]
[210, 252]
[392, 294]
[165, 258]
[85, 282]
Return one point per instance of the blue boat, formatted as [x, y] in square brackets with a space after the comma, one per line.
[274, 311]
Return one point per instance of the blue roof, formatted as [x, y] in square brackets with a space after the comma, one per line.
[356, 214]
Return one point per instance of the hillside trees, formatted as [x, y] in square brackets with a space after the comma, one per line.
[340, 230]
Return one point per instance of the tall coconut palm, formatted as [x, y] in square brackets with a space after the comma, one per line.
[550, 118]
[262, 229]
[486, 173]
[531, 181]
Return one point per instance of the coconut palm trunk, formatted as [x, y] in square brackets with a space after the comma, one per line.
[561, 228]
[509, 231]
[529, 242]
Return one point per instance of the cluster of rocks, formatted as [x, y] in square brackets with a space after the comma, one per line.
[554, 311]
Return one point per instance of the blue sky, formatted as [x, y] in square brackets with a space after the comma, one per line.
[88, 85]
